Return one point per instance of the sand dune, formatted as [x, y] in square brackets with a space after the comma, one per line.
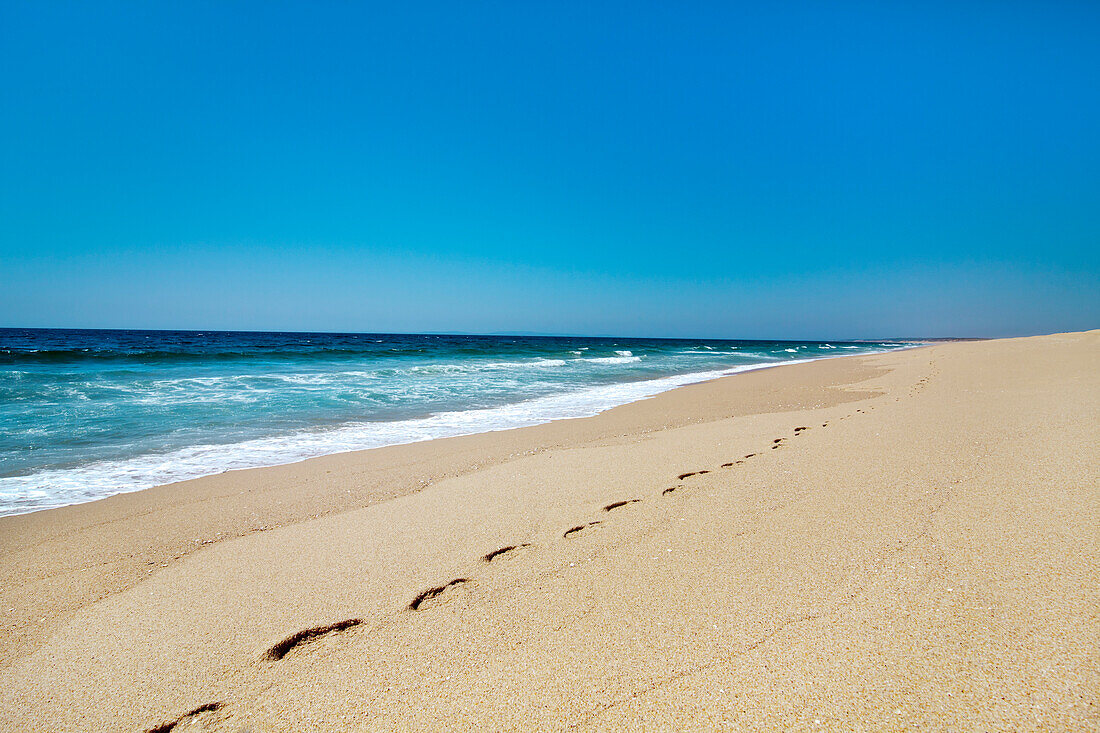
[910, 540]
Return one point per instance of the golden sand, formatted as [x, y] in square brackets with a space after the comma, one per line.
[902, 541]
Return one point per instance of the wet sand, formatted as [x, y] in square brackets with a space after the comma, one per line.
[908, 540]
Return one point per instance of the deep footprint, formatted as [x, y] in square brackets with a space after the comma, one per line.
[670, 490]
[580, 527]
[434, 593]
[209, 707]
[503, 551]
[285, 646]
[617, 504]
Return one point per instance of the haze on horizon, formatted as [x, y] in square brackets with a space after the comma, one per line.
[683, 170]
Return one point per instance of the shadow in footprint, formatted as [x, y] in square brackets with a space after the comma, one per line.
[489, 557]
[210, 707]
[580, 528]
[617, 504]
[670, 490]
[285, 646]
[432, 593]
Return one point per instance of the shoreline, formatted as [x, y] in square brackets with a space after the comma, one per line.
[845, 539]
[260, 509]
[293, 443]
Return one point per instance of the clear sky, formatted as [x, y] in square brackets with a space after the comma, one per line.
[763, 169]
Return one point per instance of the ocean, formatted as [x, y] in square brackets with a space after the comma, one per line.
[85, 414]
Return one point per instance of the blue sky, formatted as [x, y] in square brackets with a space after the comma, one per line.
[803, 170]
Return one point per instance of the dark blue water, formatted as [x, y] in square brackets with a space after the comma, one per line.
[86, 414]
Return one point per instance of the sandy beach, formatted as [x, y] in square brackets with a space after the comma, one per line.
[892, 542]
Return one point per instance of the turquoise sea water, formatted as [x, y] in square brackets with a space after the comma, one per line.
[87, 414]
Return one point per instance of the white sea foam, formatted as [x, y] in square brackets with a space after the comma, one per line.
[60, 487]
[624, 359]
[487, 366]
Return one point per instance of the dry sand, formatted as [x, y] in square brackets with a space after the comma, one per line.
[903, 541]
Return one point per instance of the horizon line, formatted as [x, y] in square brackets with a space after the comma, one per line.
[523, 334]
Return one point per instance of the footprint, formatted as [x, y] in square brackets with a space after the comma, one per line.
[285, 646]
[432, 593]
[683, 476]
[750, 455]
[210, 707]
[799, 430]
[503, 551]
[617, 504]
[580, 528]
[727, 465]
[671, 489]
